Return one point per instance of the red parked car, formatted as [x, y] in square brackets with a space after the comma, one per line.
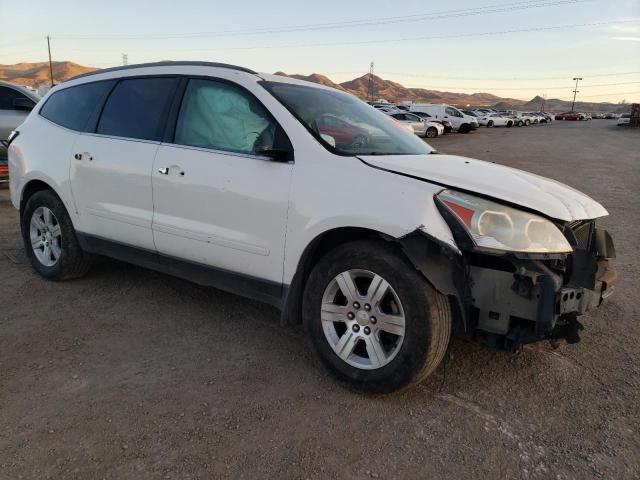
[344, 133]
[570, 116]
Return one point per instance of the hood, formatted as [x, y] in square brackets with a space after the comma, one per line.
[548, 197]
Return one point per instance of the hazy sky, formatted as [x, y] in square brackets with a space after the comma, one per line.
[464, 46]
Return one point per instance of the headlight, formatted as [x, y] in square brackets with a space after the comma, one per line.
[496, 226]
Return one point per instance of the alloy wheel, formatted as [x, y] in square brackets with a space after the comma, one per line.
[46, 236]
[363, 319]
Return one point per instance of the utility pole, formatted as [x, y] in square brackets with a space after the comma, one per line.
[370, 88]
[544, 100]
[575, 92]
[50, 64]
[125, 59]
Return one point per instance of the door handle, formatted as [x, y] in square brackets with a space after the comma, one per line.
[165, 170]
[78, 156]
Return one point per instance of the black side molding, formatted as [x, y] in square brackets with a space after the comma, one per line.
[255, 288]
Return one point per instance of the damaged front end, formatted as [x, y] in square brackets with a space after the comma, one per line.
[509, 298]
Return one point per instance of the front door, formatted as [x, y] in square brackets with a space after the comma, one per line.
[217, 201]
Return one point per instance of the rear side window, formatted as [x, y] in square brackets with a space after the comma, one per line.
[72, 107]
[136, 108]
[8, 96]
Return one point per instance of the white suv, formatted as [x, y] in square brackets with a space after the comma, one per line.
[305, 197]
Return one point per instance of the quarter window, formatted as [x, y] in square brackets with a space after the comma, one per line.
[220, 116]
[8, 97]
[136, 108]
[73, 106]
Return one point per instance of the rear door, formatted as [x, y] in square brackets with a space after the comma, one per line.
[217, 201]
[111, 169]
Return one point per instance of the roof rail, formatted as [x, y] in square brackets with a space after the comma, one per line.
[166, 63]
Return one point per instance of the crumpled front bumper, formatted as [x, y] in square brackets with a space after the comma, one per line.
[517, 300]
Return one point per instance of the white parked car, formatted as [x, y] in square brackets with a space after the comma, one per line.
[420, 126]
[495, 120]
[381, 247]
[624, 120]
[459, 121]
[417, 125]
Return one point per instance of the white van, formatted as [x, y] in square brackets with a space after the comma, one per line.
[459, 121]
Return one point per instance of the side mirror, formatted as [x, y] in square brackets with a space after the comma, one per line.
[23, 103]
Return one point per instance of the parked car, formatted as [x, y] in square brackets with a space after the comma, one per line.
[15, 104]
[624, 120]
[342, 133]
[417, 125]
[445, 123]
[203, 170]
[586, 116]
[496, 120]
[569, 116]
[459, 121]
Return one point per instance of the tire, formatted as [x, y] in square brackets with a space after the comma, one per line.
[527, 123]
[432, 132]
[46, 220]
[407, 358]
[464, 128]
[490, 123]
[509, 124]
[520, 123]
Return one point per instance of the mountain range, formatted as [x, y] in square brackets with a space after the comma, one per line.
[37, 74]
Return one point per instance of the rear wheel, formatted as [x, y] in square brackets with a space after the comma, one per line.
[490, 123]
[50, 239]
[432, 132]
[520, 123]
[376, 324]
[527, 122]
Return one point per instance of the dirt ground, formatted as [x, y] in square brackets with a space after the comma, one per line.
[132, 374]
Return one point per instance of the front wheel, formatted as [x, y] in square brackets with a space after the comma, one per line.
[490, 123]
[375, 323]
[527, 123]
[464, 128]
[50, 239]
[432, 132]
[509, 124]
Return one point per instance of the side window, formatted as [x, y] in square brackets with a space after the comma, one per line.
[73, 106]
[220, 116]
[7, 98]
[450, 111]
[136, 108]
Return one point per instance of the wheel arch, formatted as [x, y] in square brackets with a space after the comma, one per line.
[438, 263]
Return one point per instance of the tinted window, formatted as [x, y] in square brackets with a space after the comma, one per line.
[220, 116]
[72, 107]
[136, 108]
[7, 97]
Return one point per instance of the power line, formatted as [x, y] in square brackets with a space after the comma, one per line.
[466, 12]
[540, 87]
[432, 37]
[506, 79]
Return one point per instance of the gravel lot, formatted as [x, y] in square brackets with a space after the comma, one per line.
[131, 374]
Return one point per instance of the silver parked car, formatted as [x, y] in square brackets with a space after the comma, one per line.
[15, 104]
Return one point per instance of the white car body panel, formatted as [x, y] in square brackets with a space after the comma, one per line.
[549, 197]
[248, 214]
[112, 194]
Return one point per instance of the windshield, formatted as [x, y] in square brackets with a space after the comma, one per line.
[344, 124]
